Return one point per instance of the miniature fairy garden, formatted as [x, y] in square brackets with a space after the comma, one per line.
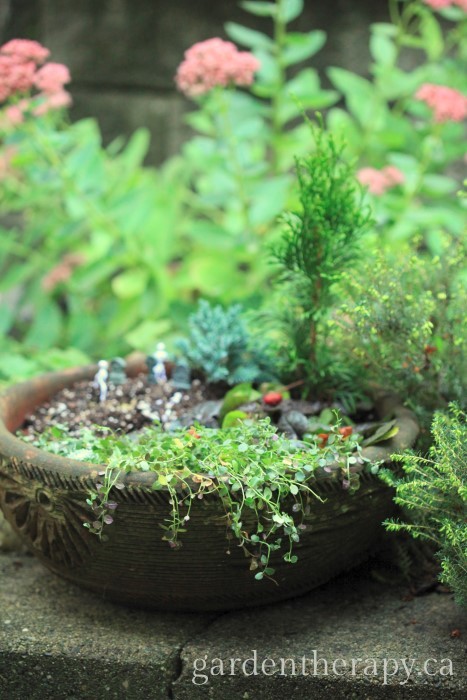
[278, 368]
[254, 418]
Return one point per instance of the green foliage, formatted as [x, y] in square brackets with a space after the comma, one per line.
[407, 326]
[239, 162]
[320, 245]
[261, 478]
[221, 346]
[18, 362]
[434, 492]
[238, 395]
[384, 124]
[150, 242]
[68, 198]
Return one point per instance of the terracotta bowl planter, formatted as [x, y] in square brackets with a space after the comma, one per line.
[43, 497]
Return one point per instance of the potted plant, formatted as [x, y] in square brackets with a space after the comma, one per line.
[268, 505]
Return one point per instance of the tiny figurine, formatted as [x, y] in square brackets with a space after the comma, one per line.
[100, 379]
[150, 364]
[156, 366]
[181, 376]
[117, 373]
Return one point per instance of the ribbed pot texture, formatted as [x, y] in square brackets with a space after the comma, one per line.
[43, 496]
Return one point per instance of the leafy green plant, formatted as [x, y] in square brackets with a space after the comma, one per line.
[239, 163]
[407, 325]
[386, 123]
[90, 237]
[89, 241]
[264, 481]
[434, 495]
[18, 362]
[320, 245]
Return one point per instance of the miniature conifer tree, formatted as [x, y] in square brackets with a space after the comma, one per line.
[221, 346]
[320, 245]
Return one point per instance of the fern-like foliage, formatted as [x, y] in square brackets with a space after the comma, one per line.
[221, 347]
[434, 493]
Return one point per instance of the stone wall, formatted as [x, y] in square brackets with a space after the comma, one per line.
[123, 53]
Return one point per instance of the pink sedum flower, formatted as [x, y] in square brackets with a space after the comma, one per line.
[378, 181]
[22, 75]
[57, 100]
[393, 175]
[13, 115]
[447, 104]
[15, 76]
[4, 91]
[52, 77]
[213, 63]
[24, 50]
[438, 4]
[441, 4]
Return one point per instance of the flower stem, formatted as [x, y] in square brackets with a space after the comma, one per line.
[280, 34]
[227, 135]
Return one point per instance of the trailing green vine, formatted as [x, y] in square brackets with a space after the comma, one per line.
[263, 479]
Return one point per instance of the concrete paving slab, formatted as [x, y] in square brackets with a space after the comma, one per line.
[58, 642]
[345, 641]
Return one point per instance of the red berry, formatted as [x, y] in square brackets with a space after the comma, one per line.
[429, 349]
[324, 437]
[346, 431]
[272, 398]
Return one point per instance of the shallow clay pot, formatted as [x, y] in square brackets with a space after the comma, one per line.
[43, 497]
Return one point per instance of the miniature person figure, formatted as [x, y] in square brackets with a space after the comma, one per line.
[156, 366]
[150, 364]
[181, 376]
[159, 368]
[117, 373]
[100, 379]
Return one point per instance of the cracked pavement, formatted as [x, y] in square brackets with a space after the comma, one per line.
[58, 642]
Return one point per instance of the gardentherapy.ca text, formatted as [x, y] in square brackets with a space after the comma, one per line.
[389, 670]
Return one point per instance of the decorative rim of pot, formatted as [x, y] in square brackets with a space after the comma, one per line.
[18, 400]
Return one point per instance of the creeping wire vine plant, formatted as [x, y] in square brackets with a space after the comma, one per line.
[263, 480]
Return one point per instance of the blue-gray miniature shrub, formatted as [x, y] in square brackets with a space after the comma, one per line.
[220, 345]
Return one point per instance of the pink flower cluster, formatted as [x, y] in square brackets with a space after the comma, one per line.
[51, 78]
[23, 69]
[214, 62]
[62, 271]
[446, 103]
[378, 181]
[441, 4]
